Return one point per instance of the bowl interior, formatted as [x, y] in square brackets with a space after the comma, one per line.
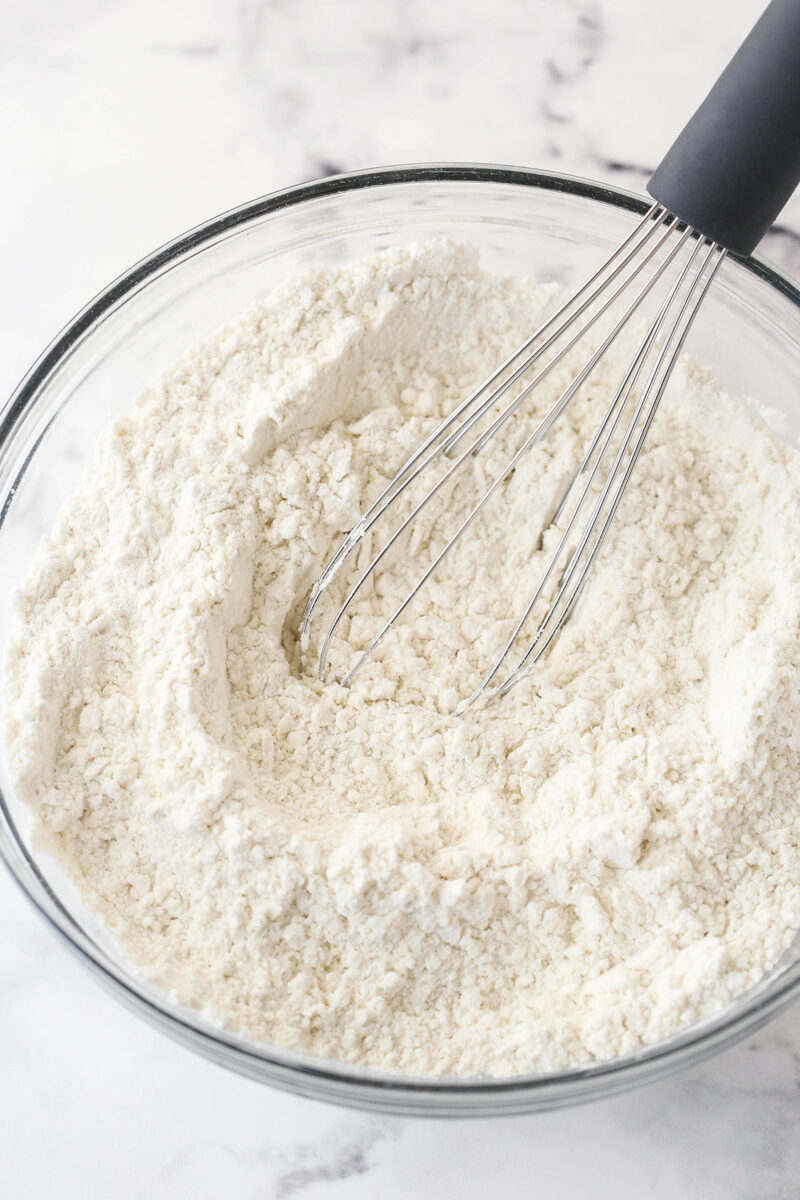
[748, 331]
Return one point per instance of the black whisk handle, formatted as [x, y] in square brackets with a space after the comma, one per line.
[736, 163]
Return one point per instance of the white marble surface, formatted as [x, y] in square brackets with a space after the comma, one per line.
[121, 124]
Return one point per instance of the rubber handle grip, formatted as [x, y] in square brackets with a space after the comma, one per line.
[737, 162]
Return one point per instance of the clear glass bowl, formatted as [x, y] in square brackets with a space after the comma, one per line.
[525, 222]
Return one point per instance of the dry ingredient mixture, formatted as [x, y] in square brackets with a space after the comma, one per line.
[607, 854]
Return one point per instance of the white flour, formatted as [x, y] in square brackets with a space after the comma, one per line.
[608, 854]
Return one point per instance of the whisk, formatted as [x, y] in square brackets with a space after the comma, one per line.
[718, 190]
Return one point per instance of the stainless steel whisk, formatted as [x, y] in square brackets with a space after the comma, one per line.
[728, 175]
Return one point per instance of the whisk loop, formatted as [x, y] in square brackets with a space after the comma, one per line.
[623, 280]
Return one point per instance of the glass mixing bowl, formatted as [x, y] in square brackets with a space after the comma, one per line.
[525, 222]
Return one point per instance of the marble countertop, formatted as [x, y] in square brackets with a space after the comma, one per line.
[122, 124]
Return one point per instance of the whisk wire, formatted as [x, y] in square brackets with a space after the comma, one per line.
[649, 242]
[565, 349]
[615, 411]
[538, 432]
[542, 429]
[668, 355]
[648, 224]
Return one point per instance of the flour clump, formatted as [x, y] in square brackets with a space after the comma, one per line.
[607, 854]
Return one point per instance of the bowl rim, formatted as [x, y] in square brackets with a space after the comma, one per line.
[324, 1079]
